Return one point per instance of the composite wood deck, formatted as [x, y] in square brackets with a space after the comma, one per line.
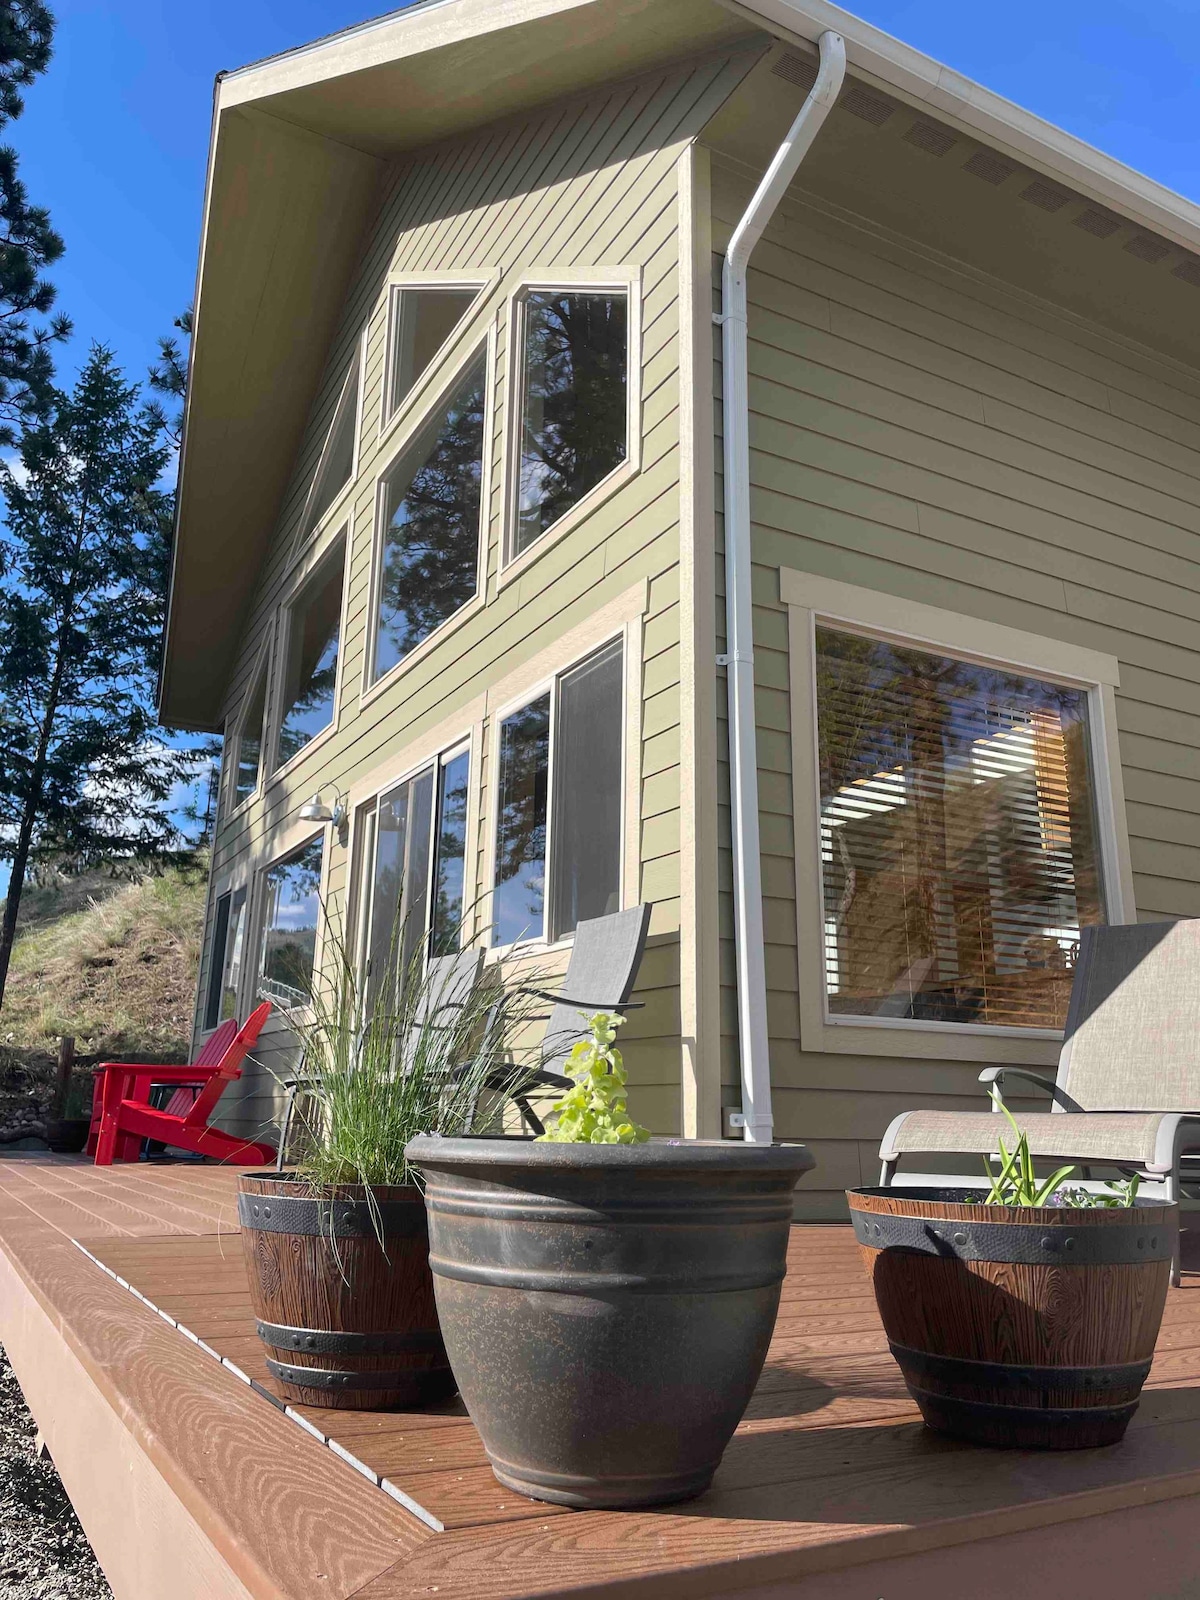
[124, 1308]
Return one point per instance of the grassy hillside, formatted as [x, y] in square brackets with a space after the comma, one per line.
[111, 961]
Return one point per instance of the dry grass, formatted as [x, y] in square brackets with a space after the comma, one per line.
[111, 962]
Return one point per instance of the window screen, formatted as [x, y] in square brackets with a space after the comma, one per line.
[290, 925]
[574, 423]
[422, 321]
[959, 848]
[586, 826]
[431, 515]
[310, 677]
[250, 739]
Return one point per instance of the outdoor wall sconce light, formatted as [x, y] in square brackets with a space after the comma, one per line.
[315, 810]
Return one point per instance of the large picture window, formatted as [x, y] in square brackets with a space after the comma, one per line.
[958, 834]
[311, 640]
[558, 825]
[414, 841]
[290, 917]
[430, 510]
[574, 402]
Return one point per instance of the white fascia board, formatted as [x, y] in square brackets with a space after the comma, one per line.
[400, 34]
[998, 121]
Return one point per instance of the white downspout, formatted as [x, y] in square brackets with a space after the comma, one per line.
[753, 1039]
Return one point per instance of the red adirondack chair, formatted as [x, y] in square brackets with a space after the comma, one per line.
[125, 1116]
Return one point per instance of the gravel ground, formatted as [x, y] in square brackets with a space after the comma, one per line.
[44, 1553]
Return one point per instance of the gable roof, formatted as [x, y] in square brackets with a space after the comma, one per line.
[299, 145]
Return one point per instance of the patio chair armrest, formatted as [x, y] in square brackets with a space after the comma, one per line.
[523, 1082]
[592, 1005]
[996, 1075]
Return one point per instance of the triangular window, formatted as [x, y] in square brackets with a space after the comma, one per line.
[422, 322]
[337, 458]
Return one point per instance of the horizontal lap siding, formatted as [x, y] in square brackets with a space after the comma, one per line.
[925, 434]
[586, 184]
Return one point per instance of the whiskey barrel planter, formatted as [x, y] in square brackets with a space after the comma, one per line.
[607, 1308]
[1024, 1327]
[346, 1321]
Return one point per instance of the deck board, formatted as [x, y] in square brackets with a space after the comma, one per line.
[830, 1468]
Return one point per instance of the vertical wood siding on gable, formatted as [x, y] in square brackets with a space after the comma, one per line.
[591, 182]
[922, 432]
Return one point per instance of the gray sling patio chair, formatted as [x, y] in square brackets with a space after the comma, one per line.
[600, 976]
[1127, 1090]
[449, 982]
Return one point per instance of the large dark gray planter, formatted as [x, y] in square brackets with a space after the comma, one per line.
[607, 1308]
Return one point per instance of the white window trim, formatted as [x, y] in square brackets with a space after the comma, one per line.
[263, 663]
[371, 688]
[296, 838]
[622, 618]
[431, 752]
[578, 281]
[337, 507]
[318, 552]
[483, 283]
[810, 599]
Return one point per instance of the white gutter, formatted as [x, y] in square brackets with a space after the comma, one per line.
[753, 1041]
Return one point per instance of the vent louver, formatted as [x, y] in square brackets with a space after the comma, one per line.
[795, 69]
[1147, 248]
[931, 137]
[1098, 223]
[860, 103]
[1189, 270]
[989, 166]
[1045, 195]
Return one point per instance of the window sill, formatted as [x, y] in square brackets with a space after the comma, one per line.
[569, 521]
[930, 1041]
[371, 692]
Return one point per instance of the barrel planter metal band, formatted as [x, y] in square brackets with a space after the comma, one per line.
[321, 1342]
[329, 1219]
[332, 1381]
[1016, 1242]
[1022, 1327]
[1011, 1375]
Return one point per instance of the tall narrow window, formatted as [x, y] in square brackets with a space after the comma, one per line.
[413, 867]
[248, 762]
[311, 657]
[293, 905]
[225, 966]
[560, 763]
[337, 457]
[431, 514]
[422, 321]
[574, 403]
[958, 836]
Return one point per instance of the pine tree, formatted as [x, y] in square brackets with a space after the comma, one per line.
[28, 243]
[84, 563]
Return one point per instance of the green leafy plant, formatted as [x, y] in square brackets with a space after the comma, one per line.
[594, 1110]
[1014, 1182]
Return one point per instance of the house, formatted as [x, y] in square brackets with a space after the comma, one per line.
[451, 569]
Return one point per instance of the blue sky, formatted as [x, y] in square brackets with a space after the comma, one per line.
[115, 134]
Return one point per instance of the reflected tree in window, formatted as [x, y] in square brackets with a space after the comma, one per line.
[431, 523]
[574, 423]
[310, 678]
[518, 904]
[290, 925]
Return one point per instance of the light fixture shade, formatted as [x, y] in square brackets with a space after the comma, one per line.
[315, 810]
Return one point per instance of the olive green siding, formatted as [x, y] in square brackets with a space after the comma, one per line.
[588, 184]
[926, 432]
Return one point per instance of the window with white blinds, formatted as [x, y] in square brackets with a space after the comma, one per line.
[958, 836]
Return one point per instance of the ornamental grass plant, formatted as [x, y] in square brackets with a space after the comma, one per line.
[379, 1070]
